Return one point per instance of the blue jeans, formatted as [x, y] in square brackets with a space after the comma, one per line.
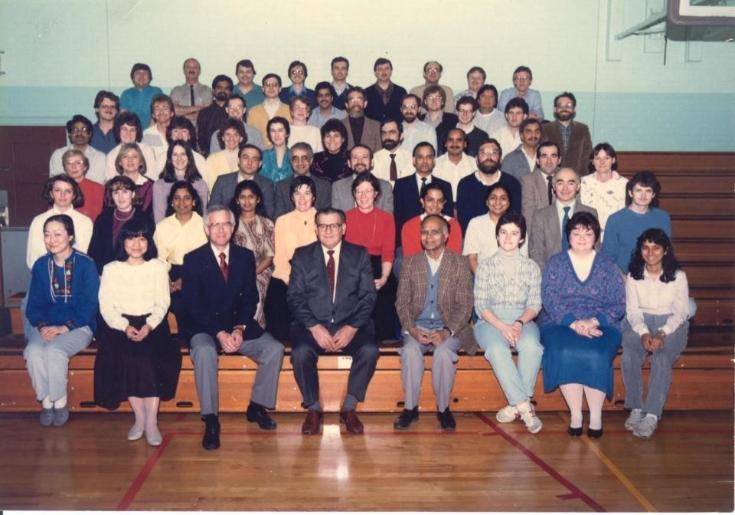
[518, 382]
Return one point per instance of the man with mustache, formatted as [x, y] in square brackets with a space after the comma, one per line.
[192, 96]
[522, 160]
[573, 138]
[392, 161]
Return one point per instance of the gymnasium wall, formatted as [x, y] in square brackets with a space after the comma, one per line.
[640, 93]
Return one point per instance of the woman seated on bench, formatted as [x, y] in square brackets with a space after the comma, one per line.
[137, 359]
[62, 308]
[657, 309]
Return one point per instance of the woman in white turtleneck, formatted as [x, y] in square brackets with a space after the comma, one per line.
[507, 299]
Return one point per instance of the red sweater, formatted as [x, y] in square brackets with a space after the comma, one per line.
[376, 231]
[411, 236]
[94, 198]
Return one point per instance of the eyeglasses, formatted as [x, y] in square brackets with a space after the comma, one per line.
[220, 225]
[328, 227]
[82, 130]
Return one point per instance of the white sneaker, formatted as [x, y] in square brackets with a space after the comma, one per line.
[507, 414]
[634, 419]
[646, 427]
[533, 423]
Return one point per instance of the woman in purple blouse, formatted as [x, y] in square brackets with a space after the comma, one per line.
[583, 297]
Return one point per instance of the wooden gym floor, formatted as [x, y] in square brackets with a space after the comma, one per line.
[483, 466]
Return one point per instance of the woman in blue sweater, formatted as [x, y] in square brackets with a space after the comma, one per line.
[62, 308]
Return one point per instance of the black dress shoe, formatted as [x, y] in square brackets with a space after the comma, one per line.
[446, 420]
[258, 413]
[574, 431]
[351, 421]
[406, 418]
[210, 440]
[313, 423]
[594, 433]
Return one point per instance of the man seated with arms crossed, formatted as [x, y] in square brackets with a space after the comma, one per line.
[220, 296]
[331, 294]
[434, 305]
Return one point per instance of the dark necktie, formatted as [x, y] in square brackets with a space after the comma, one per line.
[423, 183]
[191, 91]
[550, 189]
[330, 271]
[564, 239]
[223, 266]
[393, 168]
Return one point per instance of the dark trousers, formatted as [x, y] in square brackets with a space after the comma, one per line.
[305, 354]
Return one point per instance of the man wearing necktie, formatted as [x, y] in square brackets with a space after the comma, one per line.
[547, 235]
[220, 296]
[537, 188]
[392, 162]
[331, 294]
[192, 96]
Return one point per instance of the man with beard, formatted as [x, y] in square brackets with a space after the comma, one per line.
[454, 164]
[473, 189]
[466, 109]
[573, 138]
[407, 192]
[360, 129]
[522, 160]
[392, 162]
[325, 106]
[236, 108]
[79, 131]
[192, 96]
[414, 130]
[538, 187]
[210, 118]
[106, 107]
[301, 156]
[360, 161]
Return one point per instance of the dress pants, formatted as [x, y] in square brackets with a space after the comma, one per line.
[305, 353]
[442, 370]
[662, 360]
[48, 362]
[264, 350]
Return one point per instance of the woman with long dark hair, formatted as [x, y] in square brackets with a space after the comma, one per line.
[180, 166]
[657, 308]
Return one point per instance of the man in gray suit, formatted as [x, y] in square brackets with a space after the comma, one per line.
[537, 189]
[302, 156]
[360, 160]
[522, 160]
[360, 128]
[547, 235]
[249, 161]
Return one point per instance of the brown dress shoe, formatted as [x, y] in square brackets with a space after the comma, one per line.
[313, 423]
[351, 422]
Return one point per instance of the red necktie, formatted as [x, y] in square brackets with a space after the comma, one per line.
[393, 168]
[330, 271]
[223, 266]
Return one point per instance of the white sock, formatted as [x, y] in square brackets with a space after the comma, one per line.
[46, 403]
[524, 407]
[572, 394]
[60, 403]
[651, 415]
[595, 399]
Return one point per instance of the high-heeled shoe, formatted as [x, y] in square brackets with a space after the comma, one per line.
[574, 431]
[594, 433]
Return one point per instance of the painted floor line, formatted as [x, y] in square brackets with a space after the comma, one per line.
[140, 479]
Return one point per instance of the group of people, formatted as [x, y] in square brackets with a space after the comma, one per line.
[396, 217]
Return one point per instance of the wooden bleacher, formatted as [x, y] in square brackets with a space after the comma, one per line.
[697, 191]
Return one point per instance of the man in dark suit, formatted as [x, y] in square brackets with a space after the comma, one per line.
[249, 161]
[572, 138]
[220, 295]
[407, 191]
[547, 236]
[302, 156]
[331, 294]
[360, 128]
[384, 97]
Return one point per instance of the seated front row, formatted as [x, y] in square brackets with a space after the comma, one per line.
[331, 295]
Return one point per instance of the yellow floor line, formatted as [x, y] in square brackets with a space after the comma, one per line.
[644, 502]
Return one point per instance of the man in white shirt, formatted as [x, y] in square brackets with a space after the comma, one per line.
[454, 164]
[162, 111]
[192, 96]
[509, 137]
[392, 162]
[79, 130]
[414, 130]
[537, 188]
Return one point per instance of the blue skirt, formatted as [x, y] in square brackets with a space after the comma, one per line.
[571, 358]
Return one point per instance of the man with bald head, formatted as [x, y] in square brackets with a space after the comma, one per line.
[547, 235]
[192, 96]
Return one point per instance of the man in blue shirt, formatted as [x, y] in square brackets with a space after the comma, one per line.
[138, 98]
[106, 107]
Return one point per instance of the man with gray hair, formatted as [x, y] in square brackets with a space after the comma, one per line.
[302, 156]
[220, 297]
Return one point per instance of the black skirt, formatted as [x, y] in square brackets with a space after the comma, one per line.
[385, 318]
[277, 315]
[124, 368]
